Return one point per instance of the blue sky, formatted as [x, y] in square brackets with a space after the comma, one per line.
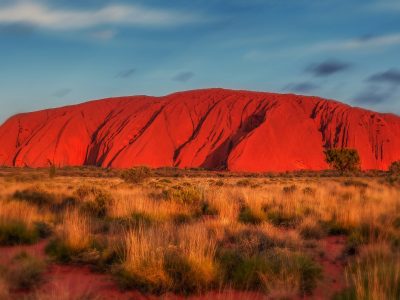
[58, 52]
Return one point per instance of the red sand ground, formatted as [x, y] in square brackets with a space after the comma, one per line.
[333, 268]
[214, 128]
[75, 282]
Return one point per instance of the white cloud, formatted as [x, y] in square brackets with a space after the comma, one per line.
[367, 43]
[360, 43]
[41, 15]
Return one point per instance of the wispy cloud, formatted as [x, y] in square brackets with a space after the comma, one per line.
[376, 94]
[41, 15]
[364, 42]
[301, 87]
[382, 87]
[62, 92]
[183, 76]
[126, 73]
[327, 68]
[391, 76]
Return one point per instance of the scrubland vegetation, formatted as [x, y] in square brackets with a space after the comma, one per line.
[188, 235]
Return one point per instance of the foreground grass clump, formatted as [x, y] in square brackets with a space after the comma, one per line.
[73, 237]
[20, 223]
[167, 258]
[270, 271]
[15, 232]
[374, 275]
[250, 259]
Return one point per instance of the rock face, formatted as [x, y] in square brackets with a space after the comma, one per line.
[214, 128]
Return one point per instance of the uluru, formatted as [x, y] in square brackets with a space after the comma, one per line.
[210, 128]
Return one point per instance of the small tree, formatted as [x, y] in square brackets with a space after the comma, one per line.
[394, 168]
[343, 160]
[136, 175]
[52, 168]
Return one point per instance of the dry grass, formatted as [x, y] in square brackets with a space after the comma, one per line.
[376, 273]
[75, 230]
[226, 202]
[21, 212]
[144, 256]
[153, 256]
[190, 235]
[136, 200]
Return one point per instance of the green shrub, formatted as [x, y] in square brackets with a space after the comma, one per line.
[359, 236]
[205, 209]
[311, 231]
[278, 217]
[52, 171]
[99, 206]
[26, 271]
[135, 220]
[309, 191]
[84, 192]
[356, 183]
[243, 182]
[61, 252]
[152, 284]
[184, 194]
[247, 216]
[289, 189]
[343, 160]
[165, 180]
[346, 294]
[241, 272]
[250, 272]
[36, 196]
[219, 183]
[333, 227]
[309, 271]
[141, 219]
[43, 229]
[353, 243]
[15, 232]
[396, 223]
[182, 218]
[249, 242]
[95, 201]
[64, 204]
[136, 175]
[186, 277]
